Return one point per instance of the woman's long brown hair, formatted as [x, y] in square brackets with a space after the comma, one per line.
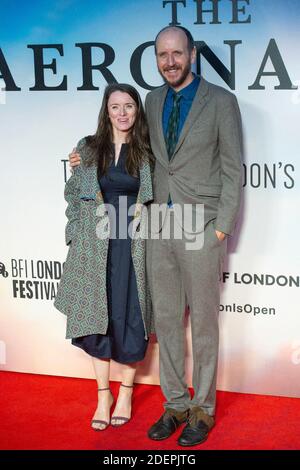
[101, 143]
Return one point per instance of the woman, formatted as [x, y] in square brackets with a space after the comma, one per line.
[103, 290]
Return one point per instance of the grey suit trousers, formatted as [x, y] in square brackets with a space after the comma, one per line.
[179, 276]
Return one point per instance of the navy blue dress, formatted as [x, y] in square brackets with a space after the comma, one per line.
[125, 339]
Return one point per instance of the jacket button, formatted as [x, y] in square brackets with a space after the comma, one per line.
[171, 173]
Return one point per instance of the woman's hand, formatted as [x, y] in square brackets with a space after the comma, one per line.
[74, 158]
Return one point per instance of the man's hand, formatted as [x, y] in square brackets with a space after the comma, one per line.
[74, 158]
[221, 236]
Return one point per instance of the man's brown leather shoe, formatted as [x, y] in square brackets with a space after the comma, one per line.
[197, 429]
[167, 424]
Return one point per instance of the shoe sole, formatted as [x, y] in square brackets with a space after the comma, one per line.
[194, 444]
[159, 438]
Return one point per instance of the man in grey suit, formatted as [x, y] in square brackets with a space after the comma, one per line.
[196, 138]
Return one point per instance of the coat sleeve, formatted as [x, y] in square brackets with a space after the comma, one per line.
[230, 148]
[71, 193]
[72, 189]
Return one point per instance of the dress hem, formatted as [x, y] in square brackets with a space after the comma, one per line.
[96, 355]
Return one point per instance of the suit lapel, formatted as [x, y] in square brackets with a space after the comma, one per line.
[197, 107]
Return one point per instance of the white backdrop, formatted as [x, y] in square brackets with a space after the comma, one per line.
[259, 312]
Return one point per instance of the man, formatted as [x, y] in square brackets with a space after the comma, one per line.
[195, 131]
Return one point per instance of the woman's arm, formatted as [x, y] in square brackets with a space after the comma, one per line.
[72, 192]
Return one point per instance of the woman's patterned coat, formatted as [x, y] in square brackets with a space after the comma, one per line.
[82, 290]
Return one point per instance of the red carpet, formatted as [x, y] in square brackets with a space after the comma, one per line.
[45, 412]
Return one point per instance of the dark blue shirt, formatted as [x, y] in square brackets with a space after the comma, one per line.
[188, 94]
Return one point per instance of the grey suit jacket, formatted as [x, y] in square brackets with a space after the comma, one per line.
[206, 165]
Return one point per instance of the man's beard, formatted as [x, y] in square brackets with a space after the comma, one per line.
[182, 78]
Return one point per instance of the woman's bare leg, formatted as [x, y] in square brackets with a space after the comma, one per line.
[123, 405]
[105, 399]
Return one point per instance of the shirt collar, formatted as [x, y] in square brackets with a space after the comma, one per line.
[189, 91]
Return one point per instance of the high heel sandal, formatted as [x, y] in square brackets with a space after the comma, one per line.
[123, 419]
[101, 421]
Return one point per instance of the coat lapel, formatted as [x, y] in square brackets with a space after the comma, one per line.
[145, 195]
[145, 191]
